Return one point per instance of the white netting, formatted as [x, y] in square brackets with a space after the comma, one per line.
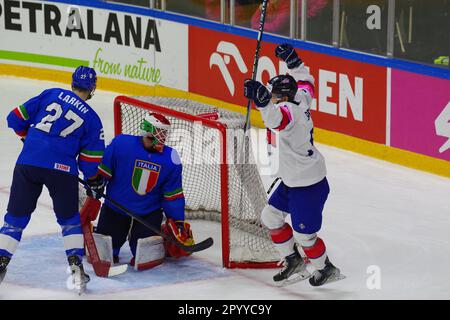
[200, 150]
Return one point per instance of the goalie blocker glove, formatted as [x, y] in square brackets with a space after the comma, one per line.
[97, 186]
[257, 92]
[287, 53]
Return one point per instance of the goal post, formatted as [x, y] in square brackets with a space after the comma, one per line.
[216, 187]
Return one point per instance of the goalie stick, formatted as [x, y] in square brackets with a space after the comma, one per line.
[101, 268]
[205, 244]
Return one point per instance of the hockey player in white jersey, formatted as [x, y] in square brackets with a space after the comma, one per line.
[285, 107]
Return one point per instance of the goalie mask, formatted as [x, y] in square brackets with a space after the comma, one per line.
[156, 127]
[283, 86]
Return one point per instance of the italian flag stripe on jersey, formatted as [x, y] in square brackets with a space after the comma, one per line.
[21, 112]
[91, 156]
[104, 171]
[142, 182]
[177, 193]
[145, 176]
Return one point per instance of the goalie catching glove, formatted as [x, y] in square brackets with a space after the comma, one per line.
[179, 231]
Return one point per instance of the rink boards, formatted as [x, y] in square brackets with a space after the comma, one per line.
[385, 108]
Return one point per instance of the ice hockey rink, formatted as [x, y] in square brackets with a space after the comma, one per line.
[386, 227]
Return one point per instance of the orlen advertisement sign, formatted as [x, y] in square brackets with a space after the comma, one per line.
[420, 114]
[351, 96]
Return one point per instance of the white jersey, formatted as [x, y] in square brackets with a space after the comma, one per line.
[300, 163]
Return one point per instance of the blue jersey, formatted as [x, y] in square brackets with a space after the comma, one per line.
[62, 132]
[143, 181]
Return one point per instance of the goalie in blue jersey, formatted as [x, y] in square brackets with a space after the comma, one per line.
[61, 135]
[144, 175]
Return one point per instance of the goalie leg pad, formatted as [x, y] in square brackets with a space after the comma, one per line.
[113, 224]
[139, 231]
[150, 252]
[104, 247]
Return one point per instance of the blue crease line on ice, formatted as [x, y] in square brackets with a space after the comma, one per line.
[40, 262]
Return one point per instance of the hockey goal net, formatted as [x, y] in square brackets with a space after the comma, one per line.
[218, 184]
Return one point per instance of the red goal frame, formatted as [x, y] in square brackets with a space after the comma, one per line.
[222, 129]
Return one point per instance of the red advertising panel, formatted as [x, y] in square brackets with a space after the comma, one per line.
[350, 95]
[420, 114]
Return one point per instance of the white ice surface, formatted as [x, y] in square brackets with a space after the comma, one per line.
[381, 214]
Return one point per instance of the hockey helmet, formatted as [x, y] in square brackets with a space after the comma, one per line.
[283, 86]
[85, 78]
[155, 126]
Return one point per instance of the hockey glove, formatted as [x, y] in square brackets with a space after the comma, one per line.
[287, 53]
[181, 232]
[97, 186]
[257, 92]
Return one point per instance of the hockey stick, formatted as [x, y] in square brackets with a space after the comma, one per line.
[262, 20]
[273, 185]
[205, 244]
[101, 268]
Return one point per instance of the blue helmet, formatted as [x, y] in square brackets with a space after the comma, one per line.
[84, 78]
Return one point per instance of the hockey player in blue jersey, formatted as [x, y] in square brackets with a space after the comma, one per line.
[62, 134]
[144, 175]
[303, 191]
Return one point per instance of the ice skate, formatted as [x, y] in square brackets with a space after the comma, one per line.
[3, 264]
[78, 278]
[327, 275]
[294, 270]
